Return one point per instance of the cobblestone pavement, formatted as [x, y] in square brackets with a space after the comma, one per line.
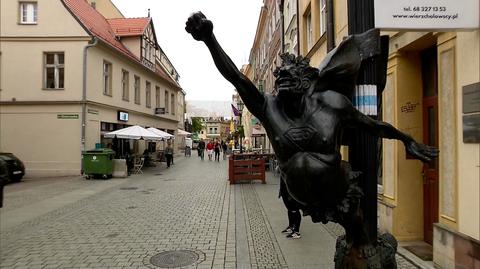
[123, 223]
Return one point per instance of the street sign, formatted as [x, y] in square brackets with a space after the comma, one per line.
[160, 110]
[435, 15]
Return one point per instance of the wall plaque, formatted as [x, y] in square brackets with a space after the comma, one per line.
[471, 98]
[471, 128]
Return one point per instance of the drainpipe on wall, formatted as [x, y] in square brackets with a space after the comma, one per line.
[282, 28]
[330, 26]
[298, 28]
[92, 43]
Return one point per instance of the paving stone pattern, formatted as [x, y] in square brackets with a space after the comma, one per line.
[124, 228]
[264, 249]
[189, 206]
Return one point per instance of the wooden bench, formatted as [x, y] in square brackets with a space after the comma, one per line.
[250, 169]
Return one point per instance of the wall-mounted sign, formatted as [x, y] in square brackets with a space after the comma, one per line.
[122, 116]
[471, 98]
[435, 15]
[160, 110]
[409, 107]
[93, 111]
[471, 128]
[67, 116]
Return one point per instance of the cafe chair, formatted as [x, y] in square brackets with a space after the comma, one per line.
[137, 167]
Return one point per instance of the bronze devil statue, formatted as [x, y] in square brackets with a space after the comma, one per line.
[305, 122]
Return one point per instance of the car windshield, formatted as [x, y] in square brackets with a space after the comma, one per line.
[7, 156]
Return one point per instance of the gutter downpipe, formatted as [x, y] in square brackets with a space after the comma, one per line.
[330, 26]
[298, 28]
[92, 43]
[282, 28]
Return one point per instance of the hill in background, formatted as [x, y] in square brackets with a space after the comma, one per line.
[209, 109]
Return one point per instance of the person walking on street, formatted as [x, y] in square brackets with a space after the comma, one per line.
[217, 151]
[188, 147]
[224, 149]
[210, 147]
[201, 149]
[169, 154]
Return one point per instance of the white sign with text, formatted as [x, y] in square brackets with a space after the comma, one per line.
[427, 14]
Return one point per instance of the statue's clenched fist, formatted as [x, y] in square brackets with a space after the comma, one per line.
[199, 27]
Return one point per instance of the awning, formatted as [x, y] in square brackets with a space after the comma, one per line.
[133, 132]
[182, 132]
[256, 132]
[161, 133]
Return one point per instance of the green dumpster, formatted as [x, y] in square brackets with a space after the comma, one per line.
[98, 162]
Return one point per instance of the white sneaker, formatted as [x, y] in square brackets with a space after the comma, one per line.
[294, 235]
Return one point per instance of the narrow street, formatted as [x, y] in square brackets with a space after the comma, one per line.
[125, 223]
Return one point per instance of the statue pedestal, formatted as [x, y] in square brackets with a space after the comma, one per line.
[381, 256]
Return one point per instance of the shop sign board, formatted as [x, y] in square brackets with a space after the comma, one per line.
[160, 110]
[67, 116]
[122, 116]
[434, 15]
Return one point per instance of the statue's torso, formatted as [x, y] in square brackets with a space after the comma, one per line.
[307, 148]
[317, 131]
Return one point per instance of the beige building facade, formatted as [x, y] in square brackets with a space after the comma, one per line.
[66, 75]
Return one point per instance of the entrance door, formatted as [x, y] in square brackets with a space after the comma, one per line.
[430, 137]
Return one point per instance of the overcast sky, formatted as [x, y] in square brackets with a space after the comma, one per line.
[234, 22]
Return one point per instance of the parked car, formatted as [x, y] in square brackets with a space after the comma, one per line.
[16, 168]
[3, 178]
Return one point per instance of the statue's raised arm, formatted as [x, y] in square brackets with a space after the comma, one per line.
[202, 30]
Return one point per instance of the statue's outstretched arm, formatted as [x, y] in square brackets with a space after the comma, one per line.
[202, 29]
[385, 130]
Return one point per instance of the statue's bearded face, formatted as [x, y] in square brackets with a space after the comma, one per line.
[294, 76]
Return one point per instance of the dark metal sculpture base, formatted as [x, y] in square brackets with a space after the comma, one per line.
[366, 257]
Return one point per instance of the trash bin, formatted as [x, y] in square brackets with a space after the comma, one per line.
[98, 162]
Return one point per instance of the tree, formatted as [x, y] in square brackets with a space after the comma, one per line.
[197, 125]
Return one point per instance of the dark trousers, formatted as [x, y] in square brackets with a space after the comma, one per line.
[293, 208]
[169, 158]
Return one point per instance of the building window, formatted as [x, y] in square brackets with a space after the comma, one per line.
[125, 85]
[136, 87]
[323, 16]
[166, 102]
[28, 12]
[148, 94]
[172, 105]
[157, 96]
[54, 70]
[309, 30]
[107, 78]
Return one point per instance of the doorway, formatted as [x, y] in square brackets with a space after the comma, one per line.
[430, 137]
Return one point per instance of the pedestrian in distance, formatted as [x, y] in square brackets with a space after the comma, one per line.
[188, 147]
[224, 149]
[201, 149]
[217, 151]
[210, 147]
[169, 154]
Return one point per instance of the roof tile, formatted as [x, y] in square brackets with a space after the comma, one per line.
[129, 26]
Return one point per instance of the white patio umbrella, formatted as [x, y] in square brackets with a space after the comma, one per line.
[161, 133]
[182, 132]
[133, 132]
